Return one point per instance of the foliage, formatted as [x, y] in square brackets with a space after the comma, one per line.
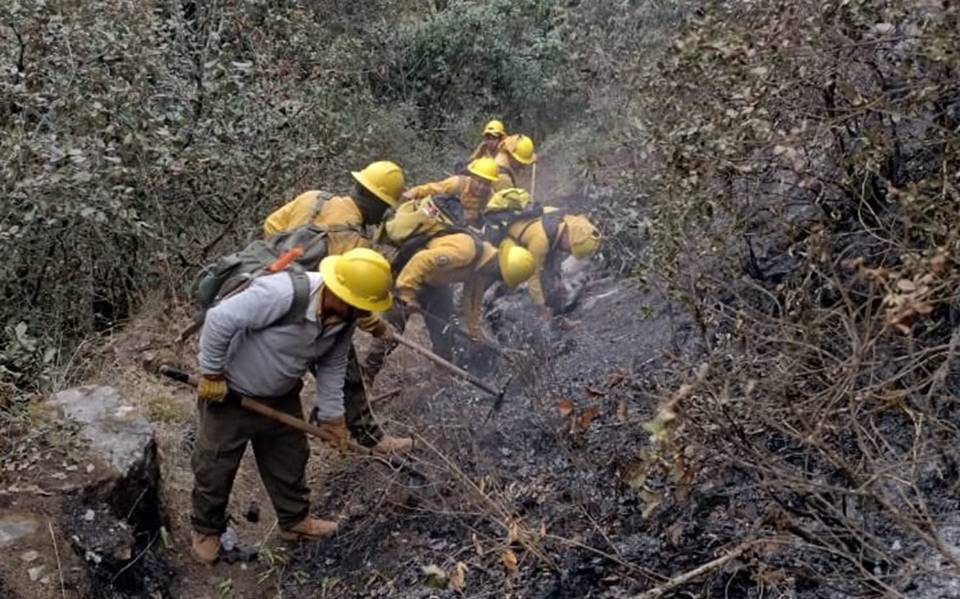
[805, 211]
[481, 60]
[139, 140]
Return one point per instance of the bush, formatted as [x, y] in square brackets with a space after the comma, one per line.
[809, 155]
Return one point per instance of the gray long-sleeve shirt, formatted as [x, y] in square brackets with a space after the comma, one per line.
[262, 359]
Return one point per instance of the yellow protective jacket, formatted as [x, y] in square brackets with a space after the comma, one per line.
[447, 260]
[457, 185]
[532, 235]
[338, 212]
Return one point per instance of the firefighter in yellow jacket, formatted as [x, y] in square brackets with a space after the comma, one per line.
[435, 255]
[493, 134]
[345, 218]
[473, 189]
[515, 155]
[550, 234]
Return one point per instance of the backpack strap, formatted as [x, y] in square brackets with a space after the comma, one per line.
[318, 202]
[301, 299]
[551, 225]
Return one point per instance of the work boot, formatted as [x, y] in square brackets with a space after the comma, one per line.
[337, 429]
[310, 528]
[206, 548]
[390, 444]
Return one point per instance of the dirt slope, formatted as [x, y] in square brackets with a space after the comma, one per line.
[534, 502]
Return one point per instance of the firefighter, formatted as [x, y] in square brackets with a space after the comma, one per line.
[346, 219]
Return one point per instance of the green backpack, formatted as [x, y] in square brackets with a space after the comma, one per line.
[232, 273]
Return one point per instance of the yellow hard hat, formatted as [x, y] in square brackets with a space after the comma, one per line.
[522, 150]
[383, 179]
[516, 263]
[512, 198]
[485, 168]
[583, 236]
[361, 277]
[494, 127]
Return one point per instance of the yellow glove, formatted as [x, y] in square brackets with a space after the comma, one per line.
[212, 387]
[384, 331]
[377, 327]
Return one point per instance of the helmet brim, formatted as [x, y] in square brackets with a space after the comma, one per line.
[329, 274]
[526, 162]
[366, 185]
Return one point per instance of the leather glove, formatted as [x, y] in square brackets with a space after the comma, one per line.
[410, 306]
[381, 329]
[335, 429]
[212, 387]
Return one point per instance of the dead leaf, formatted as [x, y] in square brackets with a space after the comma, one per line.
[565, 406]
[594, 392]
[883, 28]
[458, 577]
[477, 546]
[513, 532]
[509, 560]
[906, 285]
[586, 418]
[675, 533]
[938, 264]
[616, 377]
[435, 576]
[622, 411]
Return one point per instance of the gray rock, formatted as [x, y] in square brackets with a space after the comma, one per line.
[29, 556]
[111, 426]
[16, 526]
[35, 573]
[119, 501]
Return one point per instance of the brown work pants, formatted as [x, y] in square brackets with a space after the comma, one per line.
[360, 421]
[281, 453]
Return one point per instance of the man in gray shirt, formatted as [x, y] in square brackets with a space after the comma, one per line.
[259, 343]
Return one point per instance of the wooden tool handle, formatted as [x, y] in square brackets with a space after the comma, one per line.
[448, 365]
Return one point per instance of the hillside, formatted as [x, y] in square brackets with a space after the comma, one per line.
[753, 394]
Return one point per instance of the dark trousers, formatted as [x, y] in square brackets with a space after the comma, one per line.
[438, 303]
[281, 453]
[360, 421]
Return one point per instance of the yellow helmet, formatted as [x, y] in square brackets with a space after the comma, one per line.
[494, 127]
[383, 179]
[583, 236]
[522, 150]
[512, 198]
[361, 277]
[485, 168]
[516, 263]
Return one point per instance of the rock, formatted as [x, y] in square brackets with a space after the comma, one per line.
[34, 573]
[117, 513]
[16, 526]
[108, 423]
[29, 556]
